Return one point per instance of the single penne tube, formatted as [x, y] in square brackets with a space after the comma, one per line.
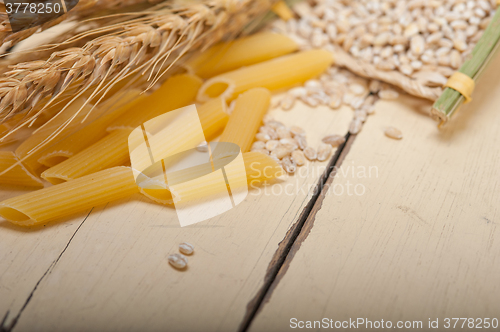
[246, 118]
[62, 200]
[18, 175]
[245, 51]
[274, 74]
[281, 9]
[92, 132]
[213, 117]
[178, 91]
[108, 152]
[258, 167]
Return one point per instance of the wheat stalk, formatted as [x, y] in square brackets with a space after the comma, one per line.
[84, 9]
[147, 44]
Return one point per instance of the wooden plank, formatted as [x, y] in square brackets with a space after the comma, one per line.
[26, 255]
[422, 242]
[115, 272]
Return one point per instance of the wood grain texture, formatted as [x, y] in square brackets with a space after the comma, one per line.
[115, 276]
[422, 242]
[26, 255]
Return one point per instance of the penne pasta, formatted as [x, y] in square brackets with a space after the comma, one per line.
[246, 51]
[92, 132]
[54, 108]
[8, 136]
[58, 201]
[281, 9]
[18, 175]
[274, 74]
[178, 91]
[4, 129]
[213, 117]
[258, 167]
[108, 152]
[26, 152]
[113, 150]
[246, 118]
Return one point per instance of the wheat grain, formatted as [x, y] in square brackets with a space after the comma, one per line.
[299, 158]
[179, 261]
[186, 248]
[289, 165]
[334, 140]
[324, 151]
[393, 133]
[310, 153]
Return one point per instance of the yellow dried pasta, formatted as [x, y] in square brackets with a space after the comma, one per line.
[258, 167]
[18, 175]
[92, 132]
[25, 150]
[213, 117]
[62, 200]
[178, 91]
[246, 118]
[110, 151]
[274, 74]
[246, 51]
[113, 150]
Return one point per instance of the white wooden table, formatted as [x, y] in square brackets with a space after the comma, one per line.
[422, 240]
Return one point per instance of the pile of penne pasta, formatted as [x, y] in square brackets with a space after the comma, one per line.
[90, 165]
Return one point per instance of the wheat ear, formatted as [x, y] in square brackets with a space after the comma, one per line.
[148, 46]
[84, 9]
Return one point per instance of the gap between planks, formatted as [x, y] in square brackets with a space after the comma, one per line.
[295, 236]
[10, 327]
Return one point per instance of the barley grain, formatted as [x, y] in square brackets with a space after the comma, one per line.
[289, 165]
[355, 126]
[271, 145]
[269, 132]
[310, 153]
[280, 152]
[299, 158]
[301, 142]
[289, 143]
[283, 132]
[388, 94]
[324, 151]
[287, 103]
[334, 140]
[186, 248]
[262, 137]
[178, 261]
[297, 131]
[393, 133]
